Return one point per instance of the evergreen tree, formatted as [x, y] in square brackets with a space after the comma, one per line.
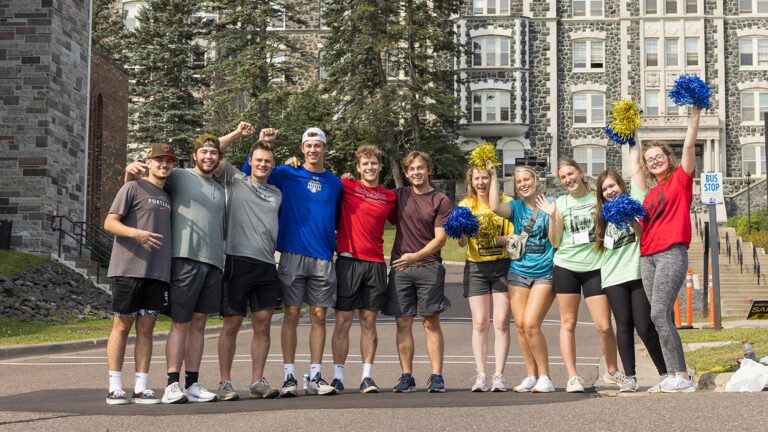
[109, 33]
[164, 75]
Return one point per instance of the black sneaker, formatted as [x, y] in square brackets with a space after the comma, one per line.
[147, 397]
[290, 387]
[368, 386]
[117, 397]
[337, 385]
[405, 385]
[435, 384]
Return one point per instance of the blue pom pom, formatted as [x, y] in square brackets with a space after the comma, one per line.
[461, 222]
[622, 211]
[613, 136]
[691, 90]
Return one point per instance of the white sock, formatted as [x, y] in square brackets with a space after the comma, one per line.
[314, 369]
[115, 380]
[338, 372]
[289, 369]
[140, 382]
[367, 369]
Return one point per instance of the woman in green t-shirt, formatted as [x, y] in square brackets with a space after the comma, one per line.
[577, 270]
[620, 273]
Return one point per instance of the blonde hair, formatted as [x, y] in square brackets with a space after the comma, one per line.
[410, 157]
[368, 151]
[530, 171]
[568, 162]
[647, 145]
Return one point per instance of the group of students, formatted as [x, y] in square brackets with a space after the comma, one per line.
[191, 242]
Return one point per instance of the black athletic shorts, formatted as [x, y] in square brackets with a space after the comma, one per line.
[361, 284]
[195, 287]
[565, 281]
[130, 295]
[249, 282]
[417, 291]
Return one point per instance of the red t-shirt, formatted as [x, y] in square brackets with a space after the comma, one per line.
[417, 218]
[364, 211]
[667, 214]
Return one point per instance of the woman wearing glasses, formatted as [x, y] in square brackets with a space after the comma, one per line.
[664, 245]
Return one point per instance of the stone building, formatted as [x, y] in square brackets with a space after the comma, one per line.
[47, 166]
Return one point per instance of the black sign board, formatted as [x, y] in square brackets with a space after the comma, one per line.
[758, 310]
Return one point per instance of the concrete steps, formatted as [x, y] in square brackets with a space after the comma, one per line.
[87, 269]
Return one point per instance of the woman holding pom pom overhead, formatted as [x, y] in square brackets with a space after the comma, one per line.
[620, 269]
[530, 277]
[664, 244]
[485, 278]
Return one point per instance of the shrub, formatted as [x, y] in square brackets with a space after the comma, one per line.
[759, 222]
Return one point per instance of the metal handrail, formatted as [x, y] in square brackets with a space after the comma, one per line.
[756, 264]
[85, 238]
[739, 255]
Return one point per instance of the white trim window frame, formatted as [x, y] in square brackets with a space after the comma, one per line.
[130, 10]
[753, 106]
[752, 7]
[651, 7]
[490, 7]
[691, 7]
[672, 52]
[588, 109]
[651, 52]
[692, 57]
[509, 153]
[491, 51]
[588, 55]
[491, 106]
[277, 21]
[588, 8]
[671, 7]
[651, 103]
[592, 159]
[753, 52]
[750, 155]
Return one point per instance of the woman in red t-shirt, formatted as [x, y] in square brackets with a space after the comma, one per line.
[664, 245]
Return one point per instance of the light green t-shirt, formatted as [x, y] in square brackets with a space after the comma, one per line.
[577, 248]
[621, 263]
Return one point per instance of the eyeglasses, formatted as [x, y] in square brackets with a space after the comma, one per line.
[658, 158]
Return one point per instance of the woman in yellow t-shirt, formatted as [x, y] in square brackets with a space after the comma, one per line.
[485, 280]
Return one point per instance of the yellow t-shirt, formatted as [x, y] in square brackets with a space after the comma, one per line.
[487, 252]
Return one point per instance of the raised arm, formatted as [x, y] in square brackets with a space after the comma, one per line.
[688, 161]
[243, 129]
[635, 161]
[555, 220]
[147, 240]
[134, 171]
[500, 209]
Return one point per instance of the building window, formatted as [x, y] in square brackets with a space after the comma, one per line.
[490, 51]
[276, 60]
[588, 55]
[750, 155]
[491, 106]
[651, 52]
[582, 8]
[752, 6]
[753, 51]
[131, 14]
[510, 152]
[277, 21]
[754, 105]
[490, 7]
[322, 6]
[671, 108]
[589, 109]
[691, 6]
[670, 52]
[392, 63]
[670, 6]
[591, 159]
[651, 8]
[322, 71]
[651, 107]
[691, 51]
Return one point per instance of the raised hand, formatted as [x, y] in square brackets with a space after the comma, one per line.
[293, 161]
[135, 170]
[546, 206]
[245, 129]
[268, 135]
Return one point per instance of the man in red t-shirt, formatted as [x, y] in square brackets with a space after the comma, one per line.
[360, 269]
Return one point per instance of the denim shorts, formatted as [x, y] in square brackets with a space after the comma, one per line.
[524, 282]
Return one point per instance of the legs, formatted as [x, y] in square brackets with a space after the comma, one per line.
[317, 333]
[480, 306]
[260, 342]
[601, 315]
[227, 341]
[620, 300]
[118, 338]
[435, 342]
[500, 330]
[369, 339]
[405, 343]
[142, 352]
[195, 342]
[340, 338]
[540, 300]
[569, 313]
[288, 333]
[641, 316]
[518, 300]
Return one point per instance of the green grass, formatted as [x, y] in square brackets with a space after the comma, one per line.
[12, 263]
[450, 252]
[723, 358]
[27, 333]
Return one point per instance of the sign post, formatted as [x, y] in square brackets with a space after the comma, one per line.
[711, 196]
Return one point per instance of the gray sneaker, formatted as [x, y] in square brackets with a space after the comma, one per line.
[614, 378]
[628, 385]
[262, 390]
[657, 387]
[318, 386]
[227, 392]
[677, 384]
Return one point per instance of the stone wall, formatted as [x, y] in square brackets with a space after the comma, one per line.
[541, 111]
[43, 67]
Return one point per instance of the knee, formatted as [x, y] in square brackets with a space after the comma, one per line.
[145, 327]
[531, 329]
[198, 321]
[317, 317]
[368, 324]
[568, 324]
[501, 325]
[479, 326]
[604, 329]
[432, 323]
[404, 324]
[231, 326]
[291, 315]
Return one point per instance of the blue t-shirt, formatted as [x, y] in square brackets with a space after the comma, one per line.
[308, 213]
[537, 260]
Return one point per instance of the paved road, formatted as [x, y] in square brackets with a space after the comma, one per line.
[66, 392]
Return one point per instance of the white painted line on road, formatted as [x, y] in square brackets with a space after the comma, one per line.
[307, 355]
[270, 360]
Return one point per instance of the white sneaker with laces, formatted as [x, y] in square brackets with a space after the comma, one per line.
[174, 394]
[657, 387]
[526, 384]
[498, 383]
[481, 383]
[117, 397]
[197, 393]
[543, 385]
[628, 385]
[147, 397]
[677, 384]
[614, 378]
[575, 385]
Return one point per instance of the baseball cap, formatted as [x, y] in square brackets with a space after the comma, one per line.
[206, 140]
[162, 150]
[313, 134]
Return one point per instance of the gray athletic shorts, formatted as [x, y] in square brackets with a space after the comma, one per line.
[195, 287]
[417, 290]
[307, 280]
[483, 278]
[526, 282]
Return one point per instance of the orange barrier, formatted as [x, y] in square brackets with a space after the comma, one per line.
[677, 312]
[711, 298]
[689, 299]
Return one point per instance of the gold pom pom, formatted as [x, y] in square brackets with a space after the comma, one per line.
[486, 231]
[625, 118]
[481, 155]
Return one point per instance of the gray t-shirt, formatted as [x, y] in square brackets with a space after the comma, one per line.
[144, 206]
[198, 217]
[252, 216]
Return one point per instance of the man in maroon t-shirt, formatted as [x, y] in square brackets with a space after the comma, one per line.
[417, 276]
[360, 268]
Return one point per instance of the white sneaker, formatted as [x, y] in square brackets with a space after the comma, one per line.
[614, 378]
[543, 385]
[677, 384]
[197, 393]
[498, 383]
[628, 385]
[657, 387]
[174, 395]
[575, 385]
[526, 384]
[481, 384]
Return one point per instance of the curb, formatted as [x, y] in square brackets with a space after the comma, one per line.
[712, 381]
[19, 351]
